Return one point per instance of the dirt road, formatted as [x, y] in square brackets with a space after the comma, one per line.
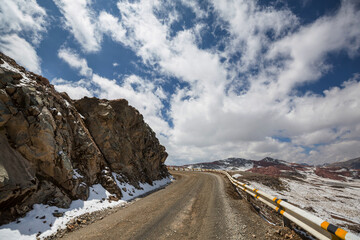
[195, 206]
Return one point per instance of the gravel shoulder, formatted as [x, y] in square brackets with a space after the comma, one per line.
[195, 206]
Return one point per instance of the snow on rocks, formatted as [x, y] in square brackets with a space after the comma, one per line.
[45, 220]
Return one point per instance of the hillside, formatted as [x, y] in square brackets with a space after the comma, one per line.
[352, 163]
[274, 167]
[330, 192]
[55, 150]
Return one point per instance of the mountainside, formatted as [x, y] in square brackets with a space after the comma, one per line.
[329, 192]
[279, 168]
[352, 163]
[53, 148]
[226, 164]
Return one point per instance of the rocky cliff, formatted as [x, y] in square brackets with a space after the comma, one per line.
[53, 148]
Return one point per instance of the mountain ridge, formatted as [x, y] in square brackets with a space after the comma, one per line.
[275, 167]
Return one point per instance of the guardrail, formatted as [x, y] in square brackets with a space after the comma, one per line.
[314, 225]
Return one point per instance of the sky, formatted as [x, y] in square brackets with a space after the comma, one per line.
[213, 78]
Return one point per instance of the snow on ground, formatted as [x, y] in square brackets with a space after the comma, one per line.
[244, 168]
[41, 218]
[327, 197]
[232, 168]
[236, 175]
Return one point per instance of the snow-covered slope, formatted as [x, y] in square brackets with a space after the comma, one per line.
[230, 164]
[41, 222]
[332, 200]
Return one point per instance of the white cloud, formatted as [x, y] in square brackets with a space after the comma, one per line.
[335, 152]
[322, 136]
[110, 25]
[224, 108]
[23, 17]
[75, 61]
[215, 124]
[251, 28]
[21, 51]
[22, 24]
[306, 50]
[140, 93]
[147, 35]
[75, 90]
[81, 21]
[200, 13]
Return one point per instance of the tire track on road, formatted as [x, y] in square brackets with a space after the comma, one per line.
[195, 206]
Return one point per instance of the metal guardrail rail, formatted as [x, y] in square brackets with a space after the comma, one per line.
[314, 225]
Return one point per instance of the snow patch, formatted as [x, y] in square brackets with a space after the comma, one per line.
[82, 116]
[40, 221]
[236, 175]
[7, 66]
[76, 174]
[326, 197]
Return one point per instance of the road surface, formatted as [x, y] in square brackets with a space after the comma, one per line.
[195, 206]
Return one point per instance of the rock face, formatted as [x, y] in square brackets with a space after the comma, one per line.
[120, 132]
[52, 148]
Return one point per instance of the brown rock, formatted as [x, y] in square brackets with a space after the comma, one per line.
[4, 97]
[10, 89]
[58, 214]
[17, 129]
[5, 114]
[17, 180]
[127, 142]
[43, 139]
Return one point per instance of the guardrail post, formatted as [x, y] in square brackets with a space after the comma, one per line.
[286, 221]
[248, 197]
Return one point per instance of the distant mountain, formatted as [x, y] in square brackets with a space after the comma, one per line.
[352, 163]
[241, 164]
[279, 168]
[238, 163]
[230, 164]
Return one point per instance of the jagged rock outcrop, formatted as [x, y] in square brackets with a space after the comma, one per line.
[50, 153]
[121, 133]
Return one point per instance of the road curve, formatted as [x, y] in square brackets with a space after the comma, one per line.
[195, 206]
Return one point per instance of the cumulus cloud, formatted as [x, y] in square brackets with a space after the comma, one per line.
[142, 94]
[23, 17]
[20, 50]
[252, 28]
[81, 21]
[211, 119]
[75, 90]
[111, 25]
[239, 100]
[75, 61]
[22, 24]
[305, 51]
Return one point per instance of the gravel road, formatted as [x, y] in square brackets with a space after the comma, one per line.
[195, 206]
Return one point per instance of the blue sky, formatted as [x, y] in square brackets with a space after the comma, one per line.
[214, 79]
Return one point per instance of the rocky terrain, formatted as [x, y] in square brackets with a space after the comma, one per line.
[53, 148]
